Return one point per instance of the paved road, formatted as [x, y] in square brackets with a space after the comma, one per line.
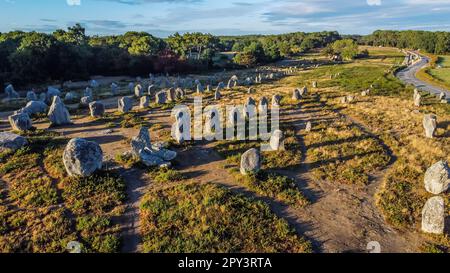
[408, 75]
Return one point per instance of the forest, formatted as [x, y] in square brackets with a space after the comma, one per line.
[33, 57]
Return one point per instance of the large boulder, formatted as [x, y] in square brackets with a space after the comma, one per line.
[429, 124]
[58, 113]
[82, 158]
[149, 155]
[35, 107]
[250, 162]
[11, 142]
[97, 109]
[125, 104]
[433, 216]
[437, 178]
[20, 122]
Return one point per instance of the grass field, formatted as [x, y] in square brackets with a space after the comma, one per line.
[443, 73]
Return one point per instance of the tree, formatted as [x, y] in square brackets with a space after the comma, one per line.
[247, 59]
[347, 49]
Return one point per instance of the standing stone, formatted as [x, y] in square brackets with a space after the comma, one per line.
[276, 100]
[138, 91]
[208, 88]
[277, 140]
[70, 97]
[52, 92]
[251, 90]
[220, 86]
[88, 92]
[171, 95]
[308, 126]
[429, 124]
[85, 101]
[11, 93]
[94, 84]
[125, 104]
[365, 93]
[303, 91]
[161, 97]
[141, 141]
[58, 113]
[250, 101]
[114, 88]
[296, 95]
[433, 216]
[145, 102]
[250, 162]
[417, 99]
[200, 88]
[437, 178]
[442, 96]
[35, 107]
[11, 142]
[31, 96]
[82, 158]
[314, 85]
[97, 109]
[217, 95]
[263, 105]
[151, 89]
[179, 94]
[131, 87]
[20, 122]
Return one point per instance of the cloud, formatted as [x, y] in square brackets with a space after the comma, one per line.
[73, 2]
[374, 2]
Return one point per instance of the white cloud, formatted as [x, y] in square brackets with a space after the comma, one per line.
[73, 2]
[374, 2]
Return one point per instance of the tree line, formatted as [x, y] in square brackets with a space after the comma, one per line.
[432, 42]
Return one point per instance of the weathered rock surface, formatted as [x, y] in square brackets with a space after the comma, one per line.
[82, 158]
[97, 109]
[125, 104]
[430, 125]
[433, 216]
[250, 162]
[20, 122]
[58, 113]
[437, 178]
[11, 142]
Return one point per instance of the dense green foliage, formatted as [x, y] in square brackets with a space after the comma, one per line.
[432, 42]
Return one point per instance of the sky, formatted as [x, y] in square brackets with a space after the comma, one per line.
[222, 17]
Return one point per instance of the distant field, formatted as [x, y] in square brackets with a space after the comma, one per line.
[443, 73]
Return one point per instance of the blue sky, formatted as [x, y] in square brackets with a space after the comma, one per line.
[221, 17]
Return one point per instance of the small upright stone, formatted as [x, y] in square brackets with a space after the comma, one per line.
[263, 105]
[171, 94]
[20, 122]
[314, 85]
[429, 124]
[125, 104]
[417, 100]
[277, 140]
[442, 96]
[97, 109]
[276, 100]
[58, 113]
[296, 95]
[217, 95]
[85, 101]
[82, 158]
[433, 216]
[138, 91]
[308, 126]
[114, 88]
[145, 102]
[250, 162]
[31, 96]
[161, 97]
[437, 178]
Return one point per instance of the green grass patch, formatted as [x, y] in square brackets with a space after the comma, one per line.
[211, 219]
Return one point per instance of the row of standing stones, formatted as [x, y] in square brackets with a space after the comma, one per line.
[82, 158]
